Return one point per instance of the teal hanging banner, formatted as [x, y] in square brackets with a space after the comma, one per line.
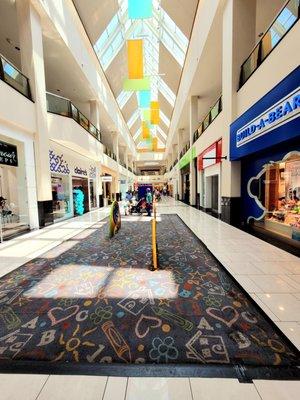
[144, 98]
[140, 9]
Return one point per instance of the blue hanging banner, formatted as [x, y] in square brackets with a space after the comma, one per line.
[140, 9]
[144, 98]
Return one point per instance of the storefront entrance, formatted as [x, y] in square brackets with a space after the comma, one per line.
[61, 196]
[215, 194]
[80, 195]
[14, 218]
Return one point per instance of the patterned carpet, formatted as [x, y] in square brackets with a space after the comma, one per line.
[93, 299]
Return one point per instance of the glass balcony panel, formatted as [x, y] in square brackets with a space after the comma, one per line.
[283, 23]
[249, 65]
[75, 113]
[58, 105]
[15, 78]
[93, 130]
[206, 122]
[214, 112]
[84, 122]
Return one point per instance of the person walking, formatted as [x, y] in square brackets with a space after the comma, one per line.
[148, 201]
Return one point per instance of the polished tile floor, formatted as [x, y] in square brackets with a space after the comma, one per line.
[270, 275]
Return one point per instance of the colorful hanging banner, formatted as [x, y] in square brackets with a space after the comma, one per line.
[144, 98]
[135, 59]
[145, 130]
[140, 9]
[154, 143]
[154, 113]
[131, 85]
[146, 115]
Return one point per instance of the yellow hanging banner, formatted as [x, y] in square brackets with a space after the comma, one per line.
[145, 130]
[135, 59]
[154, 113]
[154, 143]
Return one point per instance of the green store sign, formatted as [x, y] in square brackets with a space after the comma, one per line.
[187, 157]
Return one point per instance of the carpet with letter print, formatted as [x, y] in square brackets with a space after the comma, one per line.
[94, 300]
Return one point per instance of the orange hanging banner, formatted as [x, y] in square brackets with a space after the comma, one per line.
[135, 59]
[145, 130]
[154, 143]
[154, 112]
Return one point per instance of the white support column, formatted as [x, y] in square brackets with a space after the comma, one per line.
[115, 140]
[238, 40]
[180, 134]
[32, 60]
[193, 123]
[95, 113]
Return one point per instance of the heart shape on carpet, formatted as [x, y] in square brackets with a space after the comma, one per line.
[59, 314]
[230, 314]
[144, 324]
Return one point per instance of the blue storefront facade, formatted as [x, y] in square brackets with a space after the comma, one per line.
[266, 139]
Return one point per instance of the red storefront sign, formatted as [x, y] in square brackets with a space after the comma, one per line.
[210, 156]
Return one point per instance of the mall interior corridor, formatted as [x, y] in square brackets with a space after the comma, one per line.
[149, 199]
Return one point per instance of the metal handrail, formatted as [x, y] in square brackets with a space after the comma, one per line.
[201, 127]
[2, 77]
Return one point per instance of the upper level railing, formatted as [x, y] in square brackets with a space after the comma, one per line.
[109, 153]
[284, 21]
[184, 150]
[213, 113]
[62, 106]
[14, 78]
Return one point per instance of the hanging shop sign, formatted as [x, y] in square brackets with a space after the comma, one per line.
[93, 172]
[275, 118]
[80, 171]
[106, 178]
[58, 163]
[8, 154]
[210, 156]
[187, 157]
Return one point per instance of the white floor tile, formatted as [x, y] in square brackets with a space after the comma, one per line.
[21, 387]
[115, 388]
[274, 284]
[243, 268]
[266, 309]
[158, 389]
[285, 306]
[222, 389]
[247, 283]
[278, 390]
[291, 330]
[59, 387]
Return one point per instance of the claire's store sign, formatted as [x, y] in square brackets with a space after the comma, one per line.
[279, 113]
[8, 154]
[80, 171]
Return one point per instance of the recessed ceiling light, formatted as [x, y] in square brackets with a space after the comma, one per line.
[17, 48]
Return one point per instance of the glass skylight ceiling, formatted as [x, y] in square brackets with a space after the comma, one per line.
[154, 31]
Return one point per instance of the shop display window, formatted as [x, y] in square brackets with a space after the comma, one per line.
[13, 201]
[60, 196]
[93, 198]
[279, 193]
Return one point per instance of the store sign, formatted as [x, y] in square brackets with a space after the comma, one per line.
[80, 171]
[58, 164]
[107, 178]
[187, 158]
[8, 154]
[272, 120]
[211, 156]
[93, 172]
[279, 113]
